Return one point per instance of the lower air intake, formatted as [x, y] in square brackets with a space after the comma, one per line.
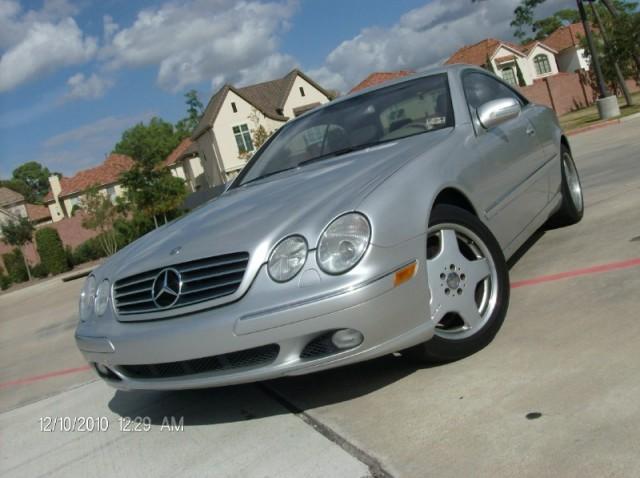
[250, 358]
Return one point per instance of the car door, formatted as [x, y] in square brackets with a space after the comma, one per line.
[507, 176]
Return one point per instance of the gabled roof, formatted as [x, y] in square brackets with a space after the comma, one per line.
[565, 37]
[185, 148]
[380, 77]
[268, 97]
[478, 53]
[529, 47]
[9, 197]
[107, 173]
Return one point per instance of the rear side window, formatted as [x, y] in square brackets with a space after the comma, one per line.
[480, 88]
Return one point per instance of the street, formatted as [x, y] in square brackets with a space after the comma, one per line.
[555, 394]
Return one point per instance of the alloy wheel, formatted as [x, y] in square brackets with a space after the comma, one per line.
[462, 279]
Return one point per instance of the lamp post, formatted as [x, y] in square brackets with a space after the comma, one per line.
[607, 104]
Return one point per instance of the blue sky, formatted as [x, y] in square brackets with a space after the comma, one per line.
[75, 73]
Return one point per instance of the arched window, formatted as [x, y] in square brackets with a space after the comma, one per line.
[542, 65]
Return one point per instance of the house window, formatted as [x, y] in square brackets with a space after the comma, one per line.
[542, 65]
[243, 138]
[302, 91]
[234, 107]
[509, 76]
[111, 193]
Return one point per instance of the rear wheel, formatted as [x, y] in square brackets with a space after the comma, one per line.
[572, 207]
[468, 284]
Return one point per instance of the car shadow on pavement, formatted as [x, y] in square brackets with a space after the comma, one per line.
[528, 244]
[275, 397]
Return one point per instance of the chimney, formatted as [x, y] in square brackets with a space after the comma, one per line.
[54, 182]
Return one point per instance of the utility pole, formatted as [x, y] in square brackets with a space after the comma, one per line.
[619, 75]
[607, 104]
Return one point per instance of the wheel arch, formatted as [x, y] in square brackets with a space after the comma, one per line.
[564, 141]
[454, 197]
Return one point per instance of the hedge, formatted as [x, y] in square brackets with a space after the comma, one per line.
[51, 251]
[14, 262]
[5, 280]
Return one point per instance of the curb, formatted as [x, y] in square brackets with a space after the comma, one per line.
[604, 124]
[584, 129]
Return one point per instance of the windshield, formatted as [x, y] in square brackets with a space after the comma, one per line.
[388, 114]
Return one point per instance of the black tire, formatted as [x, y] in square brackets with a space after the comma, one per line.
[440, 349]
[569, 212]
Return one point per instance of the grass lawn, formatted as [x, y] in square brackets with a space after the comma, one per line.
[589, 116]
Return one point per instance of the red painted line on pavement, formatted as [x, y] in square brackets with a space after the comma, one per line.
[46, 376]
[578, 272]
[536, 280]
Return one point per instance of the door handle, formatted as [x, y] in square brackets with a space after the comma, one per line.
[530, 131]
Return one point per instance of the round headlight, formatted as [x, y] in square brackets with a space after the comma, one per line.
[343, 243]
[102, 298]
[87, 297]
[287, 258]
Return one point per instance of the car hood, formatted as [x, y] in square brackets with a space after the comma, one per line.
[253, 218]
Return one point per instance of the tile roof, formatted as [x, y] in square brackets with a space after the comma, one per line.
[35, 212]
[107, 173]
[478, 53]
[269, 97]
[183, 149]
[565, 37]
[9, 196]
[380, 77]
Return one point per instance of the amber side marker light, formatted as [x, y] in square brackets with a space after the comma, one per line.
[404, 274]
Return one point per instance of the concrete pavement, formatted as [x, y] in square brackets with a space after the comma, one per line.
[556, 394]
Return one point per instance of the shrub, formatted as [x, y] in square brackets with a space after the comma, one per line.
[39, 270]
[68, 252]
[51, 250]
[14, 262]
[5, 281]
[89, 250]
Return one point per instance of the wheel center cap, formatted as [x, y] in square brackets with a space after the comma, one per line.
[453, 280]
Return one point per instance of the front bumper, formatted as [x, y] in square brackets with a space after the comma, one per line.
[389, 317]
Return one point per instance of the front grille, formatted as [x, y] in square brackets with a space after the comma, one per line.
[321, 346]
[202, 280]
[250, 358]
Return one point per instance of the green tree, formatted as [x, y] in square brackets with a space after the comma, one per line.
[51, 251]
[21, 187]
[150, 187]
[100, 215]
[187, 125]
[17, 233]
[35, 176]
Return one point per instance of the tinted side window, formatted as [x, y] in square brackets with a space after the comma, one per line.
[480, 89]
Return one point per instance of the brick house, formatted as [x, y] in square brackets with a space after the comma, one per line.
[223, 136]
[535, 60]
[66, 193]
[566, 41]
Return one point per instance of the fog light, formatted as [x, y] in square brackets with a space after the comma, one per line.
[347, 338]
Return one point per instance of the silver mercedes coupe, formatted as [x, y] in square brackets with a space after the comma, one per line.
[380, 222]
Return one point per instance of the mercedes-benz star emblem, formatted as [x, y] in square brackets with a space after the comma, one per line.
[166, 288]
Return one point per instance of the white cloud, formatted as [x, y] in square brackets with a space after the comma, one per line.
[81, 87]
[422, 37]
[88, 144]
[38, 42]
[109, 27]
[198, 40]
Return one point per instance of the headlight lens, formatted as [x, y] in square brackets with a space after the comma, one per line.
[287, 258]
[343, 243]
[102, 298]
[87, 297]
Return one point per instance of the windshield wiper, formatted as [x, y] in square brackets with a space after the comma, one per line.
[269, 174]
[339, 152]
[332, 154]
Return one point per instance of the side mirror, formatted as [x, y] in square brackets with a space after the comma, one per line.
[496, 112]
